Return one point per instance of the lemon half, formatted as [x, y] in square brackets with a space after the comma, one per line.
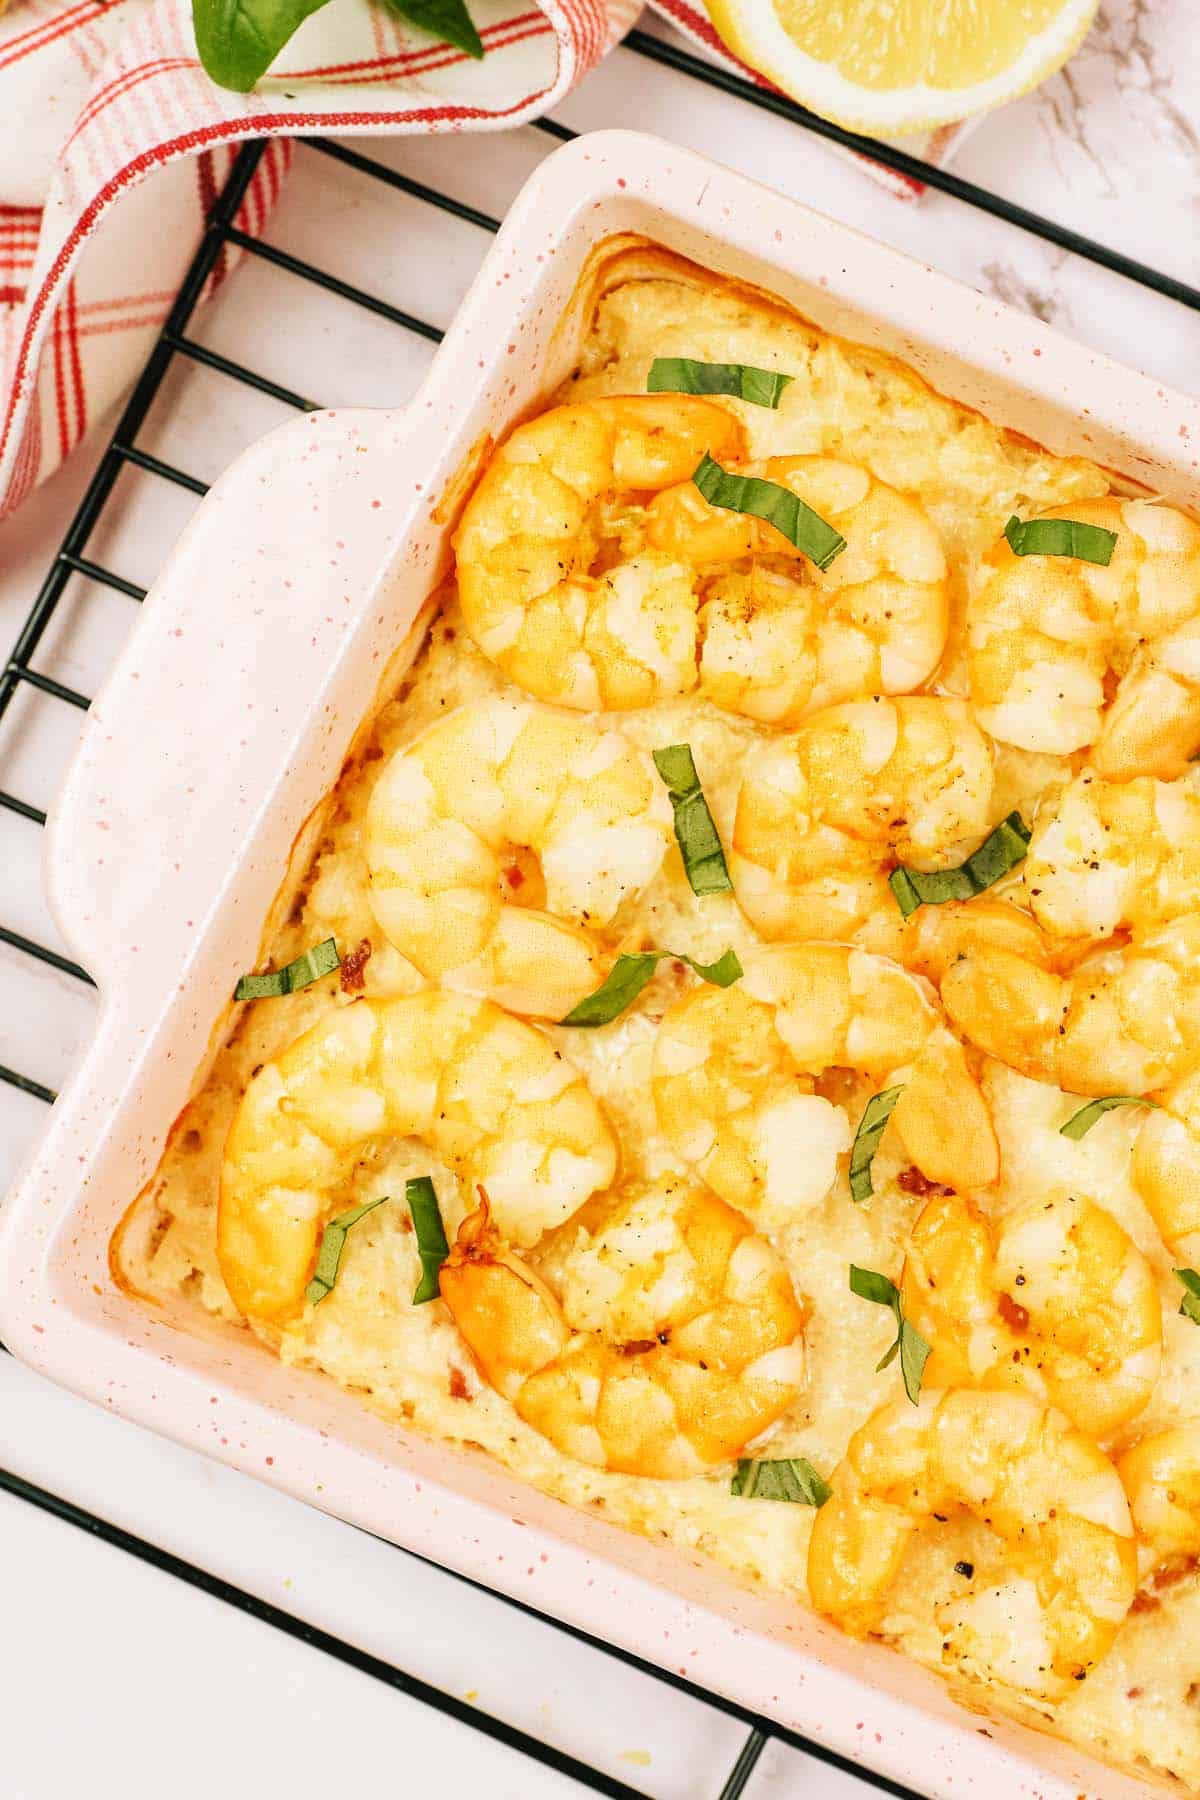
[903, 65]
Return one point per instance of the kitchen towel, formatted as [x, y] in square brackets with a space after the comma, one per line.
[114, 144]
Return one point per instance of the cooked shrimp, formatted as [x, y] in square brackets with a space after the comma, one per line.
[824, 814]
[666, 1338]
[780, 642]
[933, 938]
[501, 839]
[1047, 631]
[1044, 1488]
[1126, 1022]
[487, 1093]
[1108, 854]
[1165, 1166]
[733, 1068]
[593, 571]
[1162, 1479]
[1054, 1297]
[544, 522]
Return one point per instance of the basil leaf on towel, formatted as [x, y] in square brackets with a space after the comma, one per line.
[238, 40]
[445, 19]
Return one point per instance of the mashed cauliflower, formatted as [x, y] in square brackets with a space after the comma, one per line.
[1140, 1706]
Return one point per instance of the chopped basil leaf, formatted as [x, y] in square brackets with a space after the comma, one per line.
[629, 975]
[866, 1140]
[322, 959]
[432, 1247]
[1189, 1306]
[695, 833]
[786, 1478]
[913, 1350]
[1081, 1122]
[682, 375]
[333, 1242]
[999, 853]
[778, 505]
[1061, 537]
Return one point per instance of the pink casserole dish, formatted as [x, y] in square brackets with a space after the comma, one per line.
[261, 648]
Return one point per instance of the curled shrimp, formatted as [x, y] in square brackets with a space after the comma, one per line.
[1047, 1492]
[1162, 1479]
[933, 938]
[659, 1339]
[593, 571]
[1125, 1022]
[732, 1076]
[1054, 1298]
[486, 1092]
[782, 639]
[1165, 1166]
[824, 814]
[498, 842]
[1046, 632]
[1106, 855]
[545, 520]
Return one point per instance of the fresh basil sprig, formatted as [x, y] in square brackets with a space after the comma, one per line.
[777, 505]
[629, 975]
[238, 40]
[871, 1127]
[999, 853]
[697, 836]
[1061, 537]
[304, 969]
[333, 1242]
[791, 1478]
[432, 1247]
[682, 375]
[1081, 1122]
[913, 1350]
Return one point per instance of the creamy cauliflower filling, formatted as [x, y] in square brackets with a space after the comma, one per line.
[652, 1222]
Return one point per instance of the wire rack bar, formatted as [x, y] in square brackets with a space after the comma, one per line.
[225, 365]
[11, 803]
[769, 99]
[106, 577]
[221, 230]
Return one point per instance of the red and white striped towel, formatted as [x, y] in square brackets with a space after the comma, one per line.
[113, 144]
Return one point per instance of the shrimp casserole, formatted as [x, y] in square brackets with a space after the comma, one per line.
[786, 828]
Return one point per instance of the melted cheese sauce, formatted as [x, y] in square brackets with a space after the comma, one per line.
[1140, 1706]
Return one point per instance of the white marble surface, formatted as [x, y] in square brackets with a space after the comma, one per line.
[146, 1666]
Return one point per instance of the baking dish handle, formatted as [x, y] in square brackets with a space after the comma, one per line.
[191, 747]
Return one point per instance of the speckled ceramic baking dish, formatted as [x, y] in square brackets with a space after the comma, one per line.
[261, 648]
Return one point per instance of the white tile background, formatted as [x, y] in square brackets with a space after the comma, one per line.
[119, 1679]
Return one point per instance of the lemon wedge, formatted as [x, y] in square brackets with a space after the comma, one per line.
[903, 65]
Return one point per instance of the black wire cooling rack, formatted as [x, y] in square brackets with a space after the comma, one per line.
[70, 560]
